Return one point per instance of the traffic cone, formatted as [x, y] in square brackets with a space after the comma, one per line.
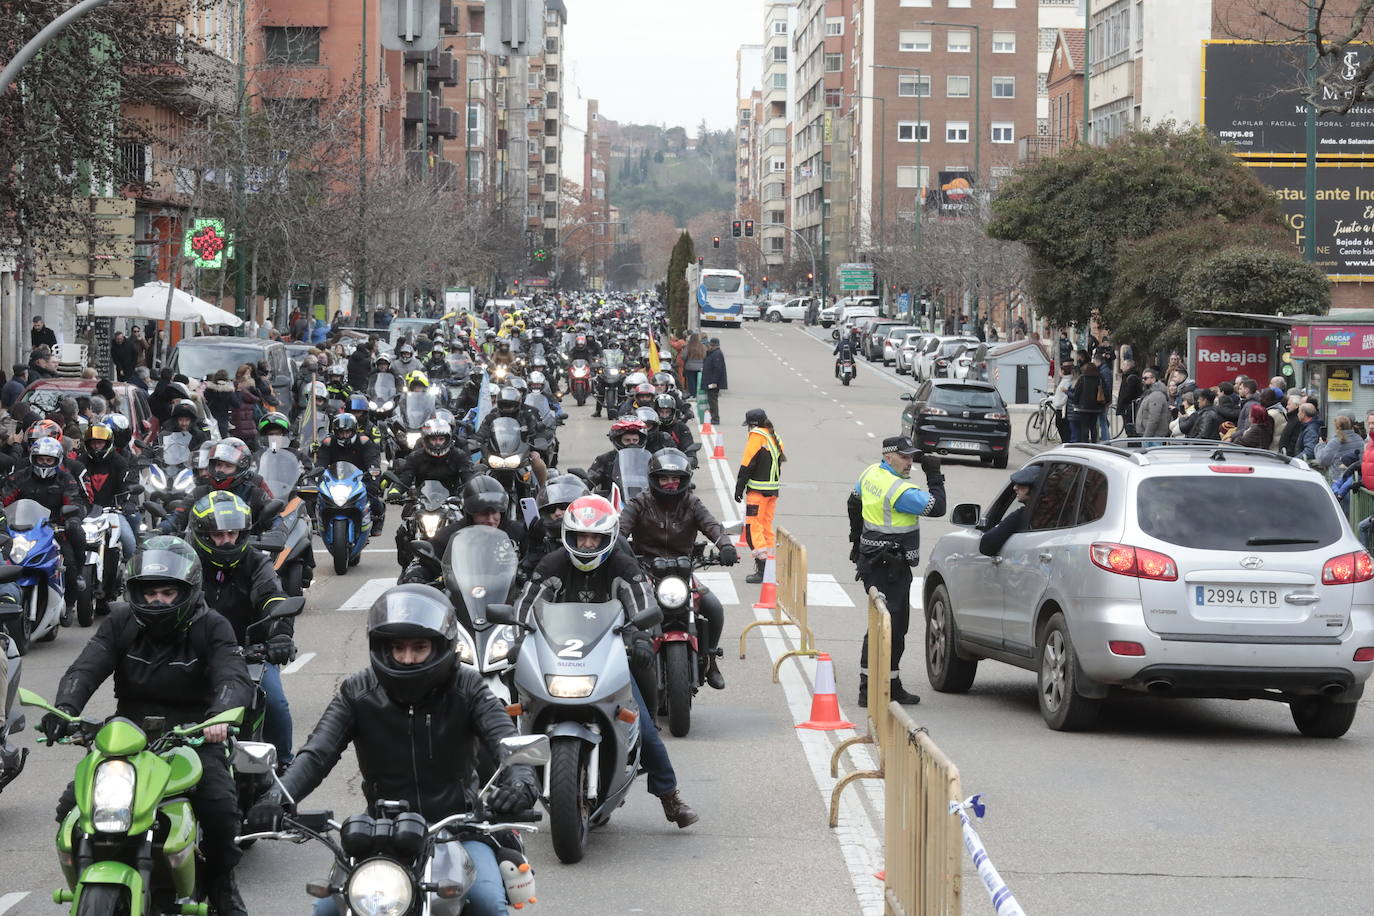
[768, 595]
[706, 428]
[825, 705]
[720, 448]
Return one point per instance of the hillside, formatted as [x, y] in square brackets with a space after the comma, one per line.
[659, 170]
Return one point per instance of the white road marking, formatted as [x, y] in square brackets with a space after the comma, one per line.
[860, 422]
[822, 590]
[719, 581]
[9, 901]
[871, 436]
[367, 593]
[300, 662]
[918, 601]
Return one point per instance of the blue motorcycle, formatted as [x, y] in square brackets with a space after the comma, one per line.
[344, 513]
[34, 546]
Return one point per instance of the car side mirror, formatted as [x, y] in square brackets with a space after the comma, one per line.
[909, 396]
[966, 515]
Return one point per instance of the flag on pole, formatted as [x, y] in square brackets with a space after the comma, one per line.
[654, 365]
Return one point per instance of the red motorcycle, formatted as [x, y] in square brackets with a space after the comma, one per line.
[580, 380]
[679, 641]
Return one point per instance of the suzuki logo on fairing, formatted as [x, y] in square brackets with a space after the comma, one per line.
[1252, 562]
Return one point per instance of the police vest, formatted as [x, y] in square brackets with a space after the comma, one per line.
[879, 490]
[771, 482]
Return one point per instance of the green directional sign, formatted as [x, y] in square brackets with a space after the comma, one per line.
[856, 278]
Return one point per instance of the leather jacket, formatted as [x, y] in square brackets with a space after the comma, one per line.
[421, 754]
[668, 527]
[243, 595]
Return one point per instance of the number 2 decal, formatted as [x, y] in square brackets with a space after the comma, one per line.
[572, 649]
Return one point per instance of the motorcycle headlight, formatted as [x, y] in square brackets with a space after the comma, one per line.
[185, 482]
[466, 655]
[498, 650]
[498, 462]
[672, 593]
[380, 887]
[411, 439]
[340, 493]
[429, 523]
[570, 686]
[436, 390]
[113, 797]
[92, 528]
[579, 373]
[386, 407]
[20, 547]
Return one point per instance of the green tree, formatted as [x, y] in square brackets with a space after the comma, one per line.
[1075, 211]
[1268, 281]
[684, 254]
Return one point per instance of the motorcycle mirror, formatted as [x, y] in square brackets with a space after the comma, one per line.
[291, 607]
[496, 613]
[651, 617]
[268, 515]
[72, 511]
[835, 335]
[254, 757]
[135, 490]
[425, 551]
[525, 750]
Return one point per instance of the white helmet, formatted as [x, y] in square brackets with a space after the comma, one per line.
[590, 515]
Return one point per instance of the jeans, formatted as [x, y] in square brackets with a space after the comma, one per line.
[128, 544]
[486, 897]
[1104, 426]
[276, 727]
[713, 402]
[693, 376]
[653, 754]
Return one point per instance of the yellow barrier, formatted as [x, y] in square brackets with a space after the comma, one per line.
[879, 695]
[790, 610]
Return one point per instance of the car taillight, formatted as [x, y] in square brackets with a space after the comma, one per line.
[1122, 647]
[1348, 568]
[1138, 562]
[1364, 654]
[943, 362]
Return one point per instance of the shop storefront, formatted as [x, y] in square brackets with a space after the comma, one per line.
[1333, 358]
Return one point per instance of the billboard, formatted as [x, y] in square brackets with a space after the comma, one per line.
[1252, 98]
[1220, 354]
[1354, 342]
[1345, 213]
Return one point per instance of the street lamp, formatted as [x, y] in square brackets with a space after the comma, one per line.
[977, 88]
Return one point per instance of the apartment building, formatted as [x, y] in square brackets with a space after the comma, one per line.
[550, 125]
[773, 162]
[942, 90]
[749, 95]
[597, 239]
[821, 46]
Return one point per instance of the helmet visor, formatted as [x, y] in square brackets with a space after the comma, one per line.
[412, 611]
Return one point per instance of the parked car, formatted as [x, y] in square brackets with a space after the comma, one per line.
[934, 361]
[892, 339]
[849, 308]
[953, 417]
[130, 400]
[791, 310]
[199, 357]
[752, 310]
[912, 344]
[1125, 577]
[871, 340]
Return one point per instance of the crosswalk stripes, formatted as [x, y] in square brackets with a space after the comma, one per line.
[719, 582]
[823, 591]
[367, 593]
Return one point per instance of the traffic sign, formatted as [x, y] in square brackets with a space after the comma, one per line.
[856, 278]
[409, 25]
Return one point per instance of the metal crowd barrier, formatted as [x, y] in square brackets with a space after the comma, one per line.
[790, 607]
[879, 695]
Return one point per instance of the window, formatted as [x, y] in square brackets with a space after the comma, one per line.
[476, 67]
[907, 176]
[777, 164]
[772, 191]
[550, 100]
[551, 73]
[775, 244]
[1004, 4]
[777, 136]
[957, 87]
[834, 63]
[744, 117]
[551, 183]
[956, 131]
[780, 27]
[913, 131]
[550, 127]
[551, 45]
[550, 209]
[779, 80]
[915, 3]
[550, 154]
[133, 163]
[911, 86]
[779, 52]
[1092, 500]
[773, 217]
[1277, 512]
[959, 41]
[1003, 42]
[1004, 87]
[834, 98]
[292, 44]
[834, 27]
[1003, 131]
[959, 4]
[300, 114]
[917, 40]
[1056, 503]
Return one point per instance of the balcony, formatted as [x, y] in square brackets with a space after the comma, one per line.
[447, 73]
[416, 108]
[1033, 147]
[446, 173]
[416, 163]
[448, 17]
[186, 73]
[446, 125]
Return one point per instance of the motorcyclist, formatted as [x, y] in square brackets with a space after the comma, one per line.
[274, 431]
[590, 569]
[442, 456]
[110, 475]
[414, 673]
[47, 482]
[509, 405]
[584, 347]
[358, 406]
[844, 350]
[653, 438]
[672, 431]
[406, 361]
[539, 384]
[641, 395]
[346, 443]
[336, 383]
[171, 658]
[552, 501]
[241, 585]
[185, 419]
[627, 432]
[382, 366]
[664, 520]
[488, 347]
[503, 355]
[229, 469]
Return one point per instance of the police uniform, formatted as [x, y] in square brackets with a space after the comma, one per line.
[885, 512]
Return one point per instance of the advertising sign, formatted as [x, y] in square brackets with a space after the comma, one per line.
[955, 191]
[1354, 342]
[1340, 385]
[1220, 354]
[1345, 213]
[1252, 98]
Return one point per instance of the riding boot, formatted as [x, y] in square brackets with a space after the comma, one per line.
[900, 695]
[713, 675]
[755, 577]
[224, 896]
[863, 691]
[677, 810]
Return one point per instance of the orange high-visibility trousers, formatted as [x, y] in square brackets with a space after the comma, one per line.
[758, 522]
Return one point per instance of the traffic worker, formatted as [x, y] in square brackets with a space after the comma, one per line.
[885, 513]
[760, 473]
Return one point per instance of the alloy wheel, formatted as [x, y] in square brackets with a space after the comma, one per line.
[1052, 665]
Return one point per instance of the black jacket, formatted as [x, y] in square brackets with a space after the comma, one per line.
[359, 368]
[677, 436]
[188, 678]
[992, 540]
[1089, 384]
[362, 453]
[1127, 393]
[713, 370]
[108, 477]
[53, 492]
[452, 470]
[1203, 423]
[555, 578]
[422, 755]
[250, 488]
[124, 355]
[244, 595]
[668, 528]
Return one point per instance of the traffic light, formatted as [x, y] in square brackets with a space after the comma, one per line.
[810, 277]
[715, 242]
[701, 262]
[749, 228]
[517, 284]
[734, 229]
[765, 280]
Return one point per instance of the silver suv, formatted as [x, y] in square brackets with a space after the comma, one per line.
[1192, 569]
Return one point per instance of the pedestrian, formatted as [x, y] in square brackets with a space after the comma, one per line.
[693, 359]
[1343, 448]
[221, 399]
[300, 327]
[757, 485]
[885, 511]
[1060, 402]
[123, 355]
[40, 335]
[1065, 347]
[1204, 422]
[1020, 328]
[360, 364]
[1259, 433]
[1309, 432]
[140, 344]
[1273, 405]
[1289, 440]
[713, 376]
[1090, 400]
[15, 386]
[679, 346]
[41, 364]
[1127, 394]
[1152, 414]
[1247, 389]
[141, 378]
[1104, 372]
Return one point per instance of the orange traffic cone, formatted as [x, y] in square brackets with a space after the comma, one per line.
[706, 428]
[720, 448]
[825, 705]
[768, 595]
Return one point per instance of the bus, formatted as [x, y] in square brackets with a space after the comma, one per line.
[719, 295]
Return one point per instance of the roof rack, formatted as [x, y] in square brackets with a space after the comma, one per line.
[1141, 446]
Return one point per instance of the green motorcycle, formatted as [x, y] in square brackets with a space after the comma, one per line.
[128, 846]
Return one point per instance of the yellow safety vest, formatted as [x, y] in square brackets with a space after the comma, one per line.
[770, 444]
[880, 489]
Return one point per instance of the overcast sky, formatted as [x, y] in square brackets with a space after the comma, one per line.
[660, 61]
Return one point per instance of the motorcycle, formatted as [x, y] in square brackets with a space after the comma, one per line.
[11, 723]
[631, 475]
[682, 660]
[129, 844]
[433, 508]
[344, 513]
[575, 685]
[545, 439]
[847, 370]
[612, 380]
[251, 785]
[579, 381]
[507, 454]
[288, 540]
[34, 546]
[166, 474]
[479, 570]
[392, 861]
[104, 556]
[416, 408]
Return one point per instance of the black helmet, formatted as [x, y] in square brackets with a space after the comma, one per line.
[184, 408]
[666, 405]
[164, 561]
[559, 493]
[232, 451]
[649, 417]
[275, 424]
[670, 463]
[509, 401]
[345, 427]
[220, 511]
[483, 494]
[412, 612]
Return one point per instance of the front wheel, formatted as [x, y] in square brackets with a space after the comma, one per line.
[946, 671]
[1322, 717]
[85, 599]
[678, 675]
[581, 397]
[774, 317]
[339, 549]
[568, 806]
[1035, 427]
[102, 900]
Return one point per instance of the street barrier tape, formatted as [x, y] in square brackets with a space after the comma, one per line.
[1002, 899]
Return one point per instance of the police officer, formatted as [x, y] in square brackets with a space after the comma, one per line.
[885, 513]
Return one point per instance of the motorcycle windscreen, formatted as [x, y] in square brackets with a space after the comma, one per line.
[384, 388]
[613, 358]
[480, 565]
[576, 628]
[540, 404]
[632, 471]
[176, 449]
[433, 494]
[505, 434]
[27, 514]
[459, 366]
[344, 472]
[280, 470]
[419, 407]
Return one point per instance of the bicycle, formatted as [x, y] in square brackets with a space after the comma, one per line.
[1041, 426]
